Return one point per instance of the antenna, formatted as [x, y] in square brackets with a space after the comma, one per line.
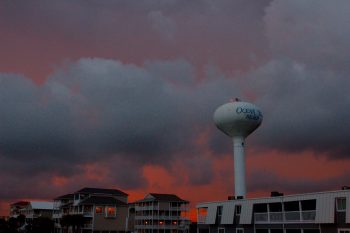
[237, 120]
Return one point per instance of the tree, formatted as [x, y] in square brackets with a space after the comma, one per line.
[41, 225]
[75, 221]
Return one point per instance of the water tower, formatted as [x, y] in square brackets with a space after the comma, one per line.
[237, 120]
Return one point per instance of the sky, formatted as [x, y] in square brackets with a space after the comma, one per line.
[121, 94]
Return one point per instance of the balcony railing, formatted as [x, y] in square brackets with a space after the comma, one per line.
[87, 226]
[137, 208]
[161, 217]
[84, 213]
[288, 216]
[201, 219]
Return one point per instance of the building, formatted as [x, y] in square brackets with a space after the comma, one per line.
[323, 212]
[100, 210]
[37, 209]
[16, 207]
[161, 213]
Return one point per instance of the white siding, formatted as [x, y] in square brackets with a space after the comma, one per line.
[228, 213]
[211, 217]
[246, 213]
[325, 208]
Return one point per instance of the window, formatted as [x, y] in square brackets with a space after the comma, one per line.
[110, 211]
[99, 210]
[308, 205]
[239, 230]
[221, 230]
[219, 213]
[291, 206]
[311, 230]
[341, 204]
[238, 210]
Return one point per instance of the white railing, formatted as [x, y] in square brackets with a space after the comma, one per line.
[276, 217]
[137, 208]
[288, 216]
[308, 215]
[202, 218]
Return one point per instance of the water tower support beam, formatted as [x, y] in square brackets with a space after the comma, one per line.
[239, 166]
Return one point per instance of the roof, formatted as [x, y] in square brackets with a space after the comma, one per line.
[98, 200]
[42, 205]
[298, 196]
[67, 196]
[102, 191]
[20, 203]
[163, 197]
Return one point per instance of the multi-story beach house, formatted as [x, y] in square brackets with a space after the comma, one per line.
[100, 211]
[161, 213]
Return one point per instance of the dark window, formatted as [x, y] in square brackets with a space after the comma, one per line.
[276, 230]
[293, 230]
[261, 230]
[238, 209]
[219, 213]
[308, 205]
[275, 207]
[311, 231]
[291, 206]
[260, 208]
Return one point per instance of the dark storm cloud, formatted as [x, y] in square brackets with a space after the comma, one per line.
[98, 109]
[303, 90]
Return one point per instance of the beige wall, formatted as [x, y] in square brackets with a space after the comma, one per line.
[118, 223]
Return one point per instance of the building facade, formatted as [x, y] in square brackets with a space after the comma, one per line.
[161, 213]
[324, 212]
[99, 210]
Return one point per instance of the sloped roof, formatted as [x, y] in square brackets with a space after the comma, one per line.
[67, 196]
[98, 200]
[102, 191]
[163, 197]
[41, 205]
[20, 203]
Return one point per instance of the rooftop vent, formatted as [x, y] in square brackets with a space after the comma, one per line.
[276, 194]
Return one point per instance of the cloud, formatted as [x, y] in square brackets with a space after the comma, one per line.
[269, 181]
[103, 112]
[162, 24]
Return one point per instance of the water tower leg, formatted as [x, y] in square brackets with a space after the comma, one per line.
[239, 167]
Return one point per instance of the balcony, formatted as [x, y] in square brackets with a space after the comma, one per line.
[161, 217]
[201, 219]
[138, 208]
[87, 226]
[88, 214]
[285, 217]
